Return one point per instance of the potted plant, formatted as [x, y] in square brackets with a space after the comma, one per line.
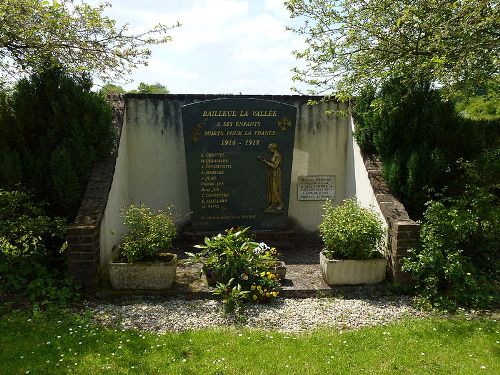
[242, 269]
[143, 260]
[353, 237]
[231, 255]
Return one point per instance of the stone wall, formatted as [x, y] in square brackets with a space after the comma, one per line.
[403, 232]
[83, 255]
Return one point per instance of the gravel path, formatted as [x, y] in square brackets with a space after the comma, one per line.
[284, 314]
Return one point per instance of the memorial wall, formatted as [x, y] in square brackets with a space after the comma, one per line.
[269, 162]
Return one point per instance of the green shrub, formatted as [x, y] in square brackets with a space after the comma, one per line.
[52, 129]
[418, 138]
[149, 233]
[32, 251]
[458, 262]
[350, 231]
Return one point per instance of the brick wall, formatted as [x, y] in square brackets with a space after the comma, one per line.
[84, 234]
[403, 233]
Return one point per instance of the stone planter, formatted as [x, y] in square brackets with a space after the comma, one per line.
[352, 272]
[143, 275]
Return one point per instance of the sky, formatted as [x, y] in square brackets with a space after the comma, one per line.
[222, 47]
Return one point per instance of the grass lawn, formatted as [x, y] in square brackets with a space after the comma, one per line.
[61, 343]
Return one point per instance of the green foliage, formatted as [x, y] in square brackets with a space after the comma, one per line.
[233, 297]
[73, 35]
[31, 251]
[235, 256]
[149, 233]
[350, 231]
[110, 88]
[484, 106]
[418, 137]
[52, 130]
[458, 262]
[146, 88]
[353, 42]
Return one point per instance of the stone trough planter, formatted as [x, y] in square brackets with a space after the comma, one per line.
[144, 275]
[352, 272]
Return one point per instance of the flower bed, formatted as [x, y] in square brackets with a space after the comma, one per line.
[242, 269]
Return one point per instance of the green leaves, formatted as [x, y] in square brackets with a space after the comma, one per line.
[352, 43]
[72, 34]
[350, 231]
[458, 260]
[149, 233]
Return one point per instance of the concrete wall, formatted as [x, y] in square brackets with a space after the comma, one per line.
[357, 182]
[320, 149]
[365, 182]
[152, 152]
[112, 227]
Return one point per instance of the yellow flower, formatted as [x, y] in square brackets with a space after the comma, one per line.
[262, 274]
[252, 287]
[268, 294]
[259, 287]
[260, 291]
[255, 296]
[274, 294]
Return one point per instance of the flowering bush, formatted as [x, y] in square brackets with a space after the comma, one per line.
[233, 255]
[240, 265]
[264, 287]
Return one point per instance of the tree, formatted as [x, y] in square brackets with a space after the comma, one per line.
[145, 88]
[452, 44]
[52, 129]
[36, 34]
[110, 88]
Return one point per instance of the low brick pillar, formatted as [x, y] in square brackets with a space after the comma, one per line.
[83, 253]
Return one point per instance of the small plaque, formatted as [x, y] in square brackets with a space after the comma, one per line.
[315, 188]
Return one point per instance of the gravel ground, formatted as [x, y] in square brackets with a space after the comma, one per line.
[284, 314]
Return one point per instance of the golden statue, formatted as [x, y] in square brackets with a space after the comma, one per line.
[273, 180]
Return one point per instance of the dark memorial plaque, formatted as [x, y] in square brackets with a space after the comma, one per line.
[239, 160]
